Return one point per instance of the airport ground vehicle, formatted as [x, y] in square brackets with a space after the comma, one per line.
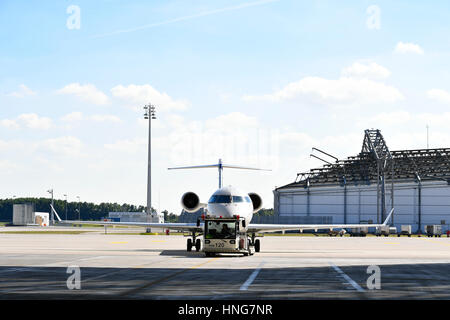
[433, 230]
[336, 233]
[359, 232]
[405, 230]
[382, 231]
[224, 235]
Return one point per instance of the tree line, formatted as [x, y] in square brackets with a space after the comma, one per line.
[88, 210]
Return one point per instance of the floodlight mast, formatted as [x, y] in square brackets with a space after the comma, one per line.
[52, 217]
[149, 113]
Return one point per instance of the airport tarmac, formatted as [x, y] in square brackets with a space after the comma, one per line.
[123, 266]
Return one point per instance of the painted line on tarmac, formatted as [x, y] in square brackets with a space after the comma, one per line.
[133, 291]
[252, 277]
[347, 278]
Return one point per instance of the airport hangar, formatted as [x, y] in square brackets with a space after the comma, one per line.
[362, 188]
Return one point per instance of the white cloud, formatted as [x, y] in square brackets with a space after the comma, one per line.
[66, 146]
[356, 86]
[29, 120]
[231, 121]
[386, 119]
[22, 92]
[343, 91]
[72, 117]
[33, 121]
[139, 95]
[439, 95]
[105, 118]
[9, 124]
[128, 145]
[87, 92]
[7, 167]
[408, 47]
[369, 70]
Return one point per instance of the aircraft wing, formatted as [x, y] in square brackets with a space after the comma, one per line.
[190, 227]
[285, 227]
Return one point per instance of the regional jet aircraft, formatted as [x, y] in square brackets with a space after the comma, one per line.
[225, 227]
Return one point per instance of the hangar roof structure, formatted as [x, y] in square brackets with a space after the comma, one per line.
[375, 160]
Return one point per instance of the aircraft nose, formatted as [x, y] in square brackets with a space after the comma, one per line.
[221, 210]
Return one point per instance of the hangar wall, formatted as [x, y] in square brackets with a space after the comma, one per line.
[358, 204]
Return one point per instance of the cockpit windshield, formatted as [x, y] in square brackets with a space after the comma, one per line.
[220, 230]
[220, 199]
[228, 199]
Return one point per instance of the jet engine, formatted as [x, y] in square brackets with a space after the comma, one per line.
[191, 202]
[256, 200]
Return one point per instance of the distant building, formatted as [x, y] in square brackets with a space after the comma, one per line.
[23, 214]
[41, 218]
[133, 217]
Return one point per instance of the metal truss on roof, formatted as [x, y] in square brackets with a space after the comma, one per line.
[423, 164]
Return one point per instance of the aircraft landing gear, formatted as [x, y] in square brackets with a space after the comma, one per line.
[257, 245]
[193, 243]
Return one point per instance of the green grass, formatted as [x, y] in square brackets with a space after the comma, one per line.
[43, 232]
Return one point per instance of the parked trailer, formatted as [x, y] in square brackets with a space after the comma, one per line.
[405, 230]
[433, 230]
[359, 232]
[392, 230]
[382, 231]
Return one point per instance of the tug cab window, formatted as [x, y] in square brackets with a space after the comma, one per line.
[220, 230]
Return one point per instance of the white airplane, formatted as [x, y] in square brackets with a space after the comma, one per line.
[226, 226]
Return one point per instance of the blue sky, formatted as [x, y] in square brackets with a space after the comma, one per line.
[256, 83]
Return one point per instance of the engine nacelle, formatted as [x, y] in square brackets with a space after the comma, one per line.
[256, 200]
[191, 202]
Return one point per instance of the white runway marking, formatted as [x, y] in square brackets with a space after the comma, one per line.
[252, 277]
[346, 277]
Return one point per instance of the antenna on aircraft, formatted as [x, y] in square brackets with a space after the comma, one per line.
[220, 166]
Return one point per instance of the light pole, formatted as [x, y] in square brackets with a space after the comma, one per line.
[79, 208]
[149, 113]
[51, 208]
[66, 205]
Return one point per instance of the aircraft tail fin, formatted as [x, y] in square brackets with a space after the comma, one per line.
[220, 166]
[56, 213]
[388, 217]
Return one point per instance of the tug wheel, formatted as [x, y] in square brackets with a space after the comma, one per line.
[257, 245]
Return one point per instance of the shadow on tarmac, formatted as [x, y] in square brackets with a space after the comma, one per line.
[401, 281]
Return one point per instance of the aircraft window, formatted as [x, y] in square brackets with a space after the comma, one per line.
[220, 230]
[220, 199]
[238, 199]
[247, 199]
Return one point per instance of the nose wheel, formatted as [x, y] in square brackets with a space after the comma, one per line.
[193, 243]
